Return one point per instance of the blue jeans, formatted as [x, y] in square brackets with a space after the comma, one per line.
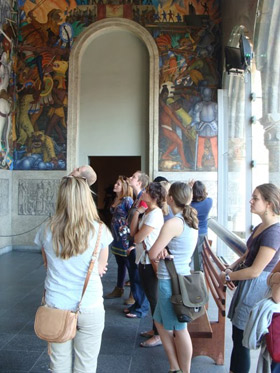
[275, 367]
[141, 305]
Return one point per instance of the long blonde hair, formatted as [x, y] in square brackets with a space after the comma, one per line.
[127, 190]
[72, 223]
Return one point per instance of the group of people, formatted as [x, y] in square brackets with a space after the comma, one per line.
[147, 217]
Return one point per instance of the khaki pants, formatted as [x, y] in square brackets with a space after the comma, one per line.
[86, 344]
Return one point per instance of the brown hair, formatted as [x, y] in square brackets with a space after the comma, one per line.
[199, 191]
[182, 196]
[271, 193]
[127, 190]
[157, 192]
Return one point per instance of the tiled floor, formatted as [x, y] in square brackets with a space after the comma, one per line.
[21, 285]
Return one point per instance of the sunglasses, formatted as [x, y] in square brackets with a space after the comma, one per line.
[74, 177]
[124, 178]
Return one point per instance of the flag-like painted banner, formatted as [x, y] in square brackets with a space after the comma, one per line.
[111, 11]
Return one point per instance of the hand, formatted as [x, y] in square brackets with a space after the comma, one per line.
[191, 182]
[229, 284]
[128, 251]
[274, 279]
[275, 292]
[102, 269]
[163, 254]
[141, 209]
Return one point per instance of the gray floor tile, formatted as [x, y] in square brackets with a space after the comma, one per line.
[18, 360]
[22, 277]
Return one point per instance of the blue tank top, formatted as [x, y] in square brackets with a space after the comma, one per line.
[182, 247]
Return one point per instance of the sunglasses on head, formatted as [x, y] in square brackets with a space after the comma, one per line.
[124, 178]
[74, 177]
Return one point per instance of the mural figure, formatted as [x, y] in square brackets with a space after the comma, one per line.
[5, 108]
[167, 118]
[205, 120]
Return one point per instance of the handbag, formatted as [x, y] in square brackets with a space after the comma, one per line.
[189, 293]
[55, 325]
[273, 338]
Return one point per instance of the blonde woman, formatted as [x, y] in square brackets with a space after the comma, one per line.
[68, 241]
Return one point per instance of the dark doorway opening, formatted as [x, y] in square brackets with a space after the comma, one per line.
[108, 169]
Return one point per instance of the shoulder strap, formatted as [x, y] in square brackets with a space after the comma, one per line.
[173, 274]
[91, 265]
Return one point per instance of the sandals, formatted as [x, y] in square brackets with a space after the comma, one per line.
[131, 316]
[148, 334]
[148, 343]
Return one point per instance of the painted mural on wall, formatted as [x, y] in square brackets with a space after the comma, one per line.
[8, 17]
[189, 79]
[34, 132]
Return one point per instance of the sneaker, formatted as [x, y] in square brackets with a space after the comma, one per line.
[116, 293]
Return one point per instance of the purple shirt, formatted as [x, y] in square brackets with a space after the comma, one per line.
[269, 237]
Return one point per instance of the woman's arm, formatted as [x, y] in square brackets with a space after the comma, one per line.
[44, 257]
[143, 233]
[103, 261]
[134, 222]
[239, 260]
[262, 259]
[172, 228]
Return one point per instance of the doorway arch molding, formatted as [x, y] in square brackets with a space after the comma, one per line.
[81, 43]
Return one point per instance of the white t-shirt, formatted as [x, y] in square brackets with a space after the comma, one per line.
[65, 277]
[153, 219]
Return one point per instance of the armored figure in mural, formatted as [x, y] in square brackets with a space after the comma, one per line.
[205, 120]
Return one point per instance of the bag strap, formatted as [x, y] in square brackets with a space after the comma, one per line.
[91, 264]
[173, 274]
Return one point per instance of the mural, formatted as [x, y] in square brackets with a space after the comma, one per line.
[189, 79]
[8, 17]
[34, 81]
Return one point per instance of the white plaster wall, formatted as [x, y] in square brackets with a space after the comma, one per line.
[114, 99]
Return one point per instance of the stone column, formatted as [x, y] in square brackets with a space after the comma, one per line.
[272, 142]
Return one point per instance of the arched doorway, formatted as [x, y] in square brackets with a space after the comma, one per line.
[74, 118]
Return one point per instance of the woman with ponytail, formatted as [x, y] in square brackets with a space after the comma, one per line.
[180, 235]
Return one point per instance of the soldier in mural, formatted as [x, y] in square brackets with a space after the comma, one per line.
[205, 121]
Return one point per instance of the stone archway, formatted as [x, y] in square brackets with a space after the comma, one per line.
[81, 43]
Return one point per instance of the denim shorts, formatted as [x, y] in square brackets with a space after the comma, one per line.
[164, 313]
